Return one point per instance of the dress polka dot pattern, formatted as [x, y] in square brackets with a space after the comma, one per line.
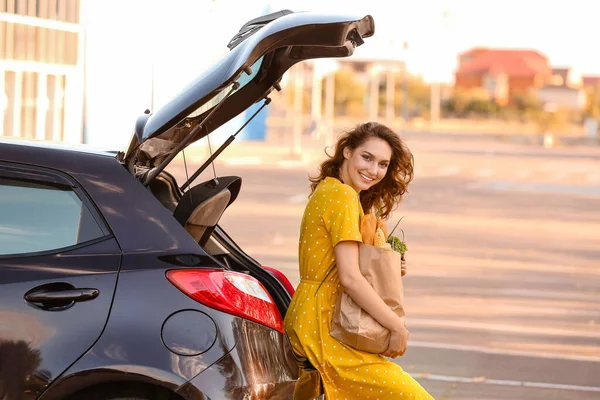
[332, 215]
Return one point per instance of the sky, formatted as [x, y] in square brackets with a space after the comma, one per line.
[437, 30]
[130, 41]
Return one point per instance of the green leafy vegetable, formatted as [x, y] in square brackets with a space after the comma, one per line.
[397, 244]
[394, 241]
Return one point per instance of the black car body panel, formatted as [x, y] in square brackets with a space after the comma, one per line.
[56, 339]
[129, 352]
[38, 341]
[135, 352]
[119, 197]
[37, 345]
[128, 268]
[256, 368]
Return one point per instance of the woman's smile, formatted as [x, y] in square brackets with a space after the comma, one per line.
[366, 178]
[367, 165]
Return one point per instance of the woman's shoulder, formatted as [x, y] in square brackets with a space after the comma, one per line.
[333, 189]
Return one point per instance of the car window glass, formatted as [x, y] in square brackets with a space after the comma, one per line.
[243, 80]
[36, 217]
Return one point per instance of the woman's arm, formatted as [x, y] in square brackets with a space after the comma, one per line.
[357, 287]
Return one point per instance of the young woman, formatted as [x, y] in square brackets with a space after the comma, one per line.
[370, 170]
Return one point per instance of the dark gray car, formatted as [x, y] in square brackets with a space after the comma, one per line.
[116, 281]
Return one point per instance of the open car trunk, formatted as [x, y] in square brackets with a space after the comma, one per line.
[261, 52]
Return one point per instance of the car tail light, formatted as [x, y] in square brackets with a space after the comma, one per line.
[230, 292]
[282, 279]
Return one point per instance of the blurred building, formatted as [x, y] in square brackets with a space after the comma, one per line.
[504, 74]
[41, 73]
[565, 90]
[590, 81]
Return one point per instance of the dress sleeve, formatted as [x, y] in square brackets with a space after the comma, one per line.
[341, 216]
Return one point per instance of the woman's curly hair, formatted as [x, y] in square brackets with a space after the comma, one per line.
[387, 194]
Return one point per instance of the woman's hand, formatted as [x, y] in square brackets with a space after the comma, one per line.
[398, 343]
[403, 266]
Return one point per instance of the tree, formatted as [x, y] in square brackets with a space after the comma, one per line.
[551, 121]
[469, 102]
[592, 109]
[350, 93]
[419, 94]
[528, 106]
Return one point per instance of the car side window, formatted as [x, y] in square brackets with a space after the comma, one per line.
[40, 217]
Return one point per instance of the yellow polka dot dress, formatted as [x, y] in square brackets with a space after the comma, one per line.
[332, 215]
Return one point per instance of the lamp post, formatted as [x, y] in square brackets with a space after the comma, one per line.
[390, 89]
[298, 117]
[405, 84]
[324, 70]
[374, 92]
[329, 107]
[435, 86]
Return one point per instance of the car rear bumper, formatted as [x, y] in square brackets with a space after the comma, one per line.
[260, 366]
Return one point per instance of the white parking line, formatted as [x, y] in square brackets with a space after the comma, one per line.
[483, 173]
[560, 175]
[241, 161]
[501, 382]
[504, 328]
[527, 293]
[291, 163]
[298, 199]
[448, 170]
[507, 352]
[593, 178]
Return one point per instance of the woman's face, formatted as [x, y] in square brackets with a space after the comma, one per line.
[366, 165]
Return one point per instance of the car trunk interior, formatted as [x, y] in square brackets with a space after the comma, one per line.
[199, 210]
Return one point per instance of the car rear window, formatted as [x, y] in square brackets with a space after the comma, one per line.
[37, 217]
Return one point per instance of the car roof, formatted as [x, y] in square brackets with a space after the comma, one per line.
[69, 148]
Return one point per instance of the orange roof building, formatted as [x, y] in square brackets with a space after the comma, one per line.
[504, 73]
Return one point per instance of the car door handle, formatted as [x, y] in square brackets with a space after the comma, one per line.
[62, 296]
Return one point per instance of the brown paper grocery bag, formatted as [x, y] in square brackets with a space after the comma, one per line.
[352, 325]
